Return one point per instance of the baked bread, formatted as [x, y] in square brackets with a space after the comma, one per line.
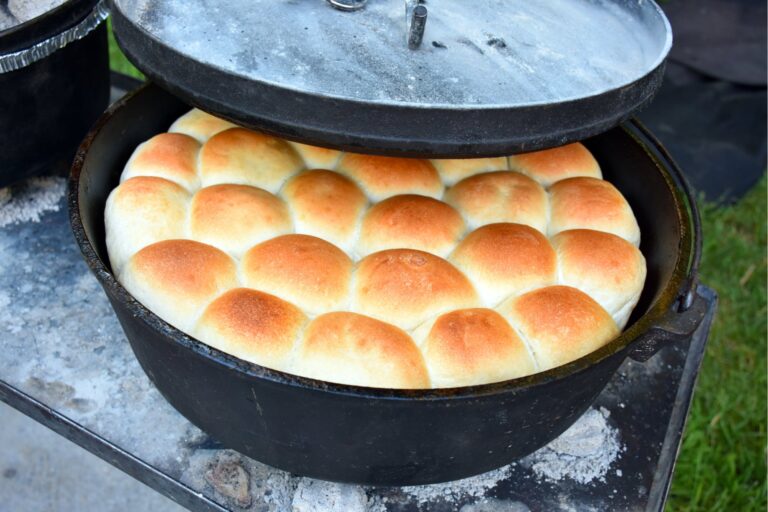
[374, 271]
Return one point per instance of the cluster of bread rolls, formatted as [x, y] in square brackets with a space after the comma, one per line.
[374, 271]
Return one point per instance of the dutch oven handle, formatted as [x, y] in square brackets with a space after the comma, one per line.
[689, 309]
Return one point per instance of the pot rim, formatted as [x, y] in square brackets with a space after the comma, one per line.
[684, 272]
[47, 25]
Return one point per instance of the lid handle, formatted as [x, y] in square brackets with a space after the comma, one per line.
[415, 17]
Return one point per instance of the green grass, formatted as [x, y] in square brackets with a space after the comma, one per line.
[722, 466]
[118, 61]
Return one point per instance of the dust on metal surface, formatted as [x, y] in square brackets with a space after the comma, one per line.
[485, 53]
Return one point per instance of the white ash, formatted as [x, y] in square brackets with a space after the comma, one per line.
[583, 453]
[319, 496]
[30, 200]
[25, 10]
[473, 487]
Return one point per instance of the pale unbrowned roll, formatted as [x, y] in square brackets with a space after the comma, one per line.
[305, 270]
[589, 203]
[500, 197]
[348, 348]
[172, 156]
[473, 346]
[560, 324]
[326, 204]
[317, 157]
[506, 259]
[381, 177]
[234, 218]
[141, 211]
[406, 287]
[607, 268]
[417, 273]
[412, 221]
[252, 325]
[200, 125]
[552, 165]
[178, 278]
[244, 157]
[454, 170]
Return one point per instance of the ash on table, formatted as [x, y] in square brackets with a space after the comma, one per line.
[15, 12]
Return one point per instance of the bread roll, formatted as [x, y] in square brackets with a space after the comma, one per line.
[172, 156]
[304, 270]
[234, 218]
[252, 325]
[454, 170]
[607, 268]
[560, 324]
[316, 157]
[410, 222]
[474, 346]
[506, 259]
[381, 177]
[589, 203]
[177, 279]
[357, 242]
[142, 211]
[326, 204]
[354, 349]
[552, 165]
[405, 287]
[200, 125]
[243, 157]
[500, 197]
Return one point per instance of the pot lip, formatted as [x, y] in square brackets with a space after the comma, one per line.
[666, 302]
[42, 27]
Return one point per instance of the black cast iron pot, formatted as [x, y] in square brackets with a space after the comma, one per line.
[379, 436]
[48, 106]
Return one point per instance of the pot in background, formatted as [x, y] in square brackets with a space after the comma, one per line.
[47, 106]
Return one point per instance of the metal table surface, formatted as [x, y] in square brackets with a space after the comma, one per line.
[66, 363]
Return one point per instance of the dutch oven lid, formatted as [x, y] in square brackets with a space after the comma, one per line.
[489, 76]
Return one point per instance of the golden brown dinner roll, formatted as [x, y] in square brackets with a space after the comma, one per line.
[500, 197]
[405, 287]
[234, 218]
[305, 270]
[381, 177]
[200, 125]
[454, 170]
[354, 349]
[607, 268]
[244, 157]
[326, 204]
[141, 211]
[506, 259]
[191, 226]
[172, 156]
[473, 346]
[590, 203]
[316, 157]
[252, 325]
[177, 279]
[559, 323]
[410, 222]
[552, 165]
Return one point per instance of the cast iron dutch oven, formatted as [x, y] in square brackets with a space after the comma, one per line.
[48, 106]
[380, 436]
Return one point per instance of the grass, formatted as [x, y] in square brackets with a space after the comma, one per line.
[117, 60]
[722, 465]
